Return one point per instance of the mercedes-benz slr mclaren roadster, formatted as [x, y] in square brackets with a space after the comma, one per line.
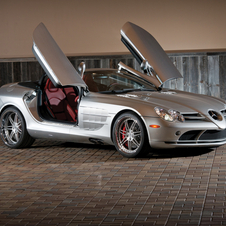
[120, 106]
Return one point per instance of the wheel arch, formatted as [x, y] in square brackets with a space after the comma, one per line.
[20, 141]
[7, 106]
[12, 105]
[129, 111]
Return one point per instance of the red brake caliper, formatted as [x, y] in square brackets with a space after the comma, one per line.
[123, 135]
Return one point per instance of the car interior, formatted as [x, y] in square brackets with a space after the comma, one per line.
[60, 103]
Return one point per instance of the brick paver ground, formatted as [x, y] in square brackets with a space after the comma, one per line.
[56, 183]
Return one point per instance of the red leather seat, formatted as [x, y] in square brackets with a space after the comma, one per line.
[58, 104]
[72, 98]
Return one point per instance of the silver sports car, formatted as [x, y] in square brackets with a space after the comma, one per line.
[120, 106]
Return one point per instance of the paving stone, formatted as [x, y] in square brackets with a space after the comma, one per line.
[55, 183]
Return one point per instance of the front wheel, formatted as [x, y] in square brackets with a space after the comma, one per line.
[129, 135]
[13, 129]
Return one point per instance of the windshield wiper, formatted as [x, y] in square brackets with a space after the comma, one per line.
[134, 90]
[126, 90]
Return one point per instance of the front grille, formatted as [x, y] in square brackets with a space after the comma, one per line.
[190, 135]
[199, 136]
[213, 135]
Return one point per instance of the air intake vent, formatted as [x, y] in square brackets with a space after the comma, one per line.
[193, 116]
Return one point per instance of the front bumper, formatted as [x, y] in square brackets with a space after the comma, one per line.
[188, 134]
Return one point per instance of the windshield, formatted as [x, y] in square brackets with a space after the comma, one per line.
[115, 82]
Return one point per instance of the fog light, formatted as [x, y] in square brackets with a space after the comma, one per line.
[178, 133]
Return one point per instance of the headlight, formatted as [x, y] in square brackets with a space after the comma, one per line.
[169, 115]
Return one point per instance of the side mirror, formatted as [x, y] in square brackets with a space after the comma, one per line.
[82, 68]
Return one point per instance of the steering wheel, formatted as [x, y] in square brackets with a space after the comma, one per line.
[112, 85]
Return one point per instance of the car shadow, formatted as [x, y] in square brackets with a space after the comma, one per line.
[179, 152]
[47, 143]
[56, 152]
[154, 153]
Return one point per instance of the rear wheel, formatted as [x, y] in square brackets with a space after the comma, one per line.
[129, 135]
[13, 129]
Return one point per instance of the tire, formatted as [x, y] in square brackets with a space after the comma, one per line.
[129, 135]
[13, 130]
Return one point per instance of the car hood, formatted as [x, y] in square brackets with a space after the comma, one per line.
[52, 59]
[184, 102]
[148, 53]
